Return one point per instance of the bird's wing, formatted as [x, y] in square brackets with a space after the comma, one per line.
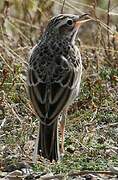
[50, 85]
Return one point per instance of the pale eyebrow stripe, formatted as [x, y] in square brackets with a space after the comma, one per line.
[55, 20]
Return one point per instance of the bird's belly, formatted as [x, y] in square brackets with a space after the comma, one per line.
[75, 91]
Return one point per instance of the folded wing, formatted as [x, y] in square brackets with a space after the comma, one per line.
[50, 86]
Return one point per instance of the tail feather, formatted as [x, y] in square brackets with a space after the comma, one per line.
[48, 145]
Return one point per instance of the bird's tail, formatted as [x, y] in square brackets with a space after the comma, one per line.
[48, 142]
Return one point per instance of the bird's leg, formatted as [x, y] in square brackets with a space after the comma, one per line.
[35, 153]
[62, 129]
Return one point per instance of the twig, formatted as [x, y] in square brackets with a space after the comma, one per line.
[58, 176]
[79, 173]
[13, 111]
[108, 22]
[18, 30]
[94, 8]
[18, 76]
[113, 169]
[108, 125]
[13, 53]
[106, 49]
[6, 63]
[79, 4]
[10, 83]
[20, 21]
[62, 9]
[67, 4]
[94, 115]
[116, 5]
[93, 47]
[3, 122]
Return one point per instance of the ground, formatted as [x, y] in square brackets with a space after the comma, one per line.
[91, 136]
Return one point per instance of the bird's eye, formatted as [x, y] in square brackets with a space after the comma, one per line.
[69, 22]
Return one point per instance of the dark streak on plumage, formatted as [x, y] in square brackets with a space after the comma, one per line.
[53, 77]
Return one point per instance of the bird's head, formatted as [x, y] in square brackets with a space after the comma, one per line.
[65, 26]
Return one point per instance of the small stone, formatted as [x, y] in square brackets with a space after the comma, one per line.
[90, 177]
[46, 176]
[15, 175]
[2, 174]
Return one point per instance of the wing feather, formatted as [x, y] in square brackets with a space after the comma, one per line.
[51, 94]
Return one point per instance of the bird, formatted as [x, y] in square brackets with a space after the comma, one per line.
[53, 79]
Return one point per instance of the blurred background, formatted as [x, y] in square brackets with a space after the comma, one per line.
[31, 16]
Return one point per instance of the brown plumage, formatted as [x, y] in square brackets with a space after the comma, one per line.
[54, 76]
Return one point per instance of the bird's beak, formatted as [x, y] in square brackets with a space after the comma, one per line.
[82, 19]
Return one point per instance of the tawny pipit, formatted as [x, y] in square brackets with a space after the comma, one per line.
[54, 77]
